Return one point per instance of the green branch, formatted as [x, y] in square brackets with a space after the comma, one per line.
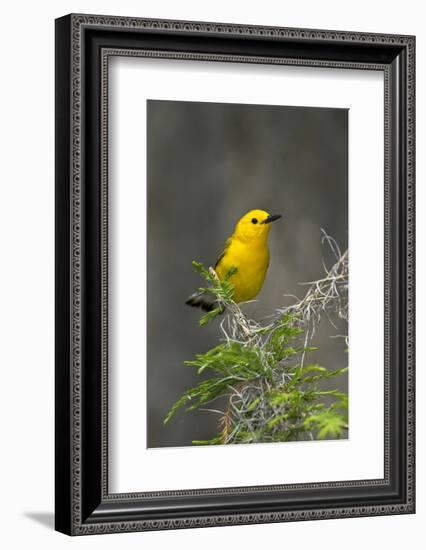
[272, 392]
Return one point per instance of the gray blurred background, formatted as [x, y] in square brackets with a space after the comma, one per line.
[208, 164]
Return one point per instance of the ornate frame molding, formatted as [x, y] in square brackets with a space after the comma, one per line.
[73, 503]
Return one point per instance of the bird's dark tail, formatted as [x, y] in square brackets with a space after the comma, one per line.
[202, 300]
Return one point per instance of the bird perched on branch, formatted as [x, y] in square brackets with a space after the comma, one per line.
[247, 251]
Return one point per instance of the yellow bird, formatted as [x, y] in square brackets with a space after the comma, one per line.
[247, 250]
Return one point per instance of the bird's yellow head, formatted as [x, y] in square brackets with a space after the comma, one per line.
[254, 225]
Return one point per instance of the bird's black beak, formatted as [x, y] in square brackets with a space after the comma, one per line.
[270, 219]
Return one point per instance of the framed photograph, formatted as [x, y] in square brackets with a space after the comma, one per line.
[234, 274]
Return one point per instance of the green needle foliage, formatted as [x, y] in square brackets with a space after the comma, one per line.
[271, 392]
[221, 290]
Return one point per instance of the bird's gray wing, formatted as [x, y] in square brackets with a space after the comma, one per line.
[222, 254]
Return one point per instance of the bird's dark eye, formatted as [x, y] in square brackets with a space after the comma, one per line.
[254, 220]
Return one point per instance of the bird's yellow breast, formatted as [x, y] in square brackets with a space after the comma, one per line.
[251, 260]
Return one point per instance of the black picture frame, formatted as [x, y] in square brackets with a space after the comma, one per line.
[83, 46]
